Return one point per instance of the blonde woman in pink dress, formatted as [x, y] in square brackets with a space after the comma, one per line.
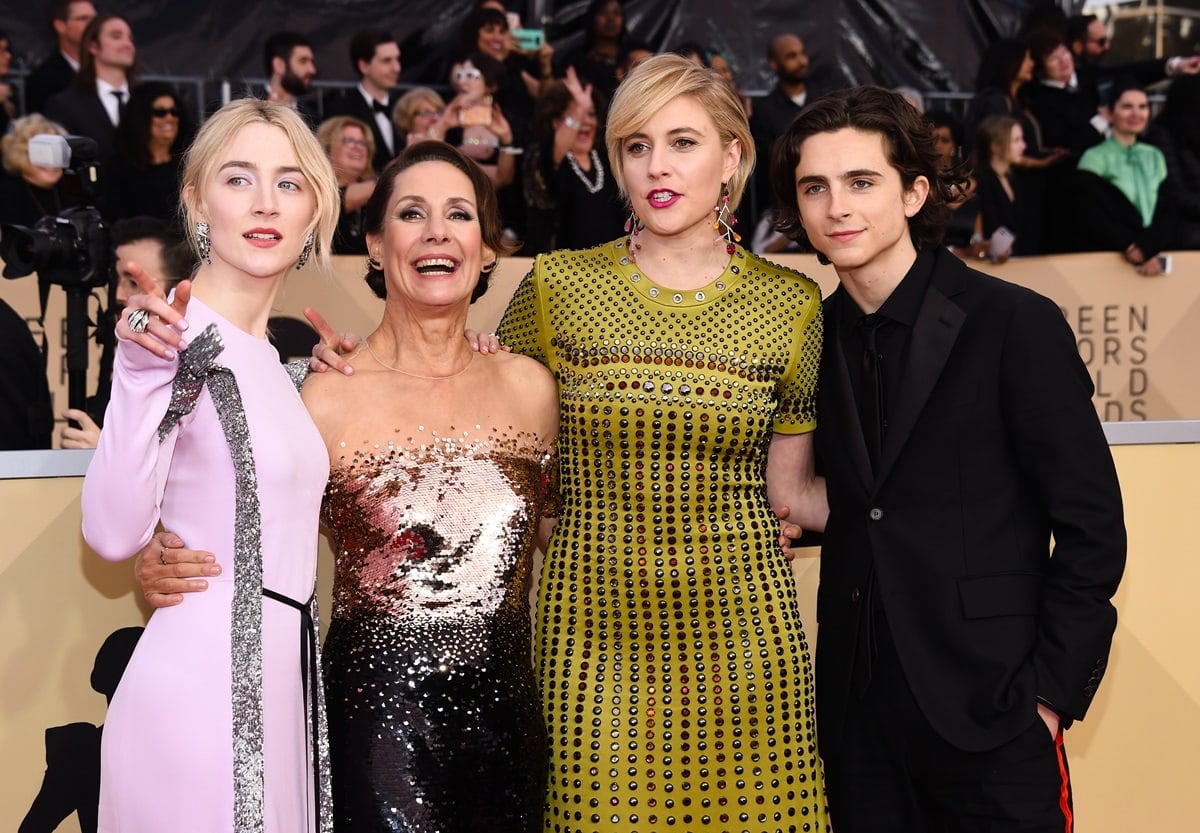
[206, 433]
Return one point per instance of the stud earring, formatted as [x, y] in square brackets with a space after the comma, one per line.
[306, 252]
[633, 227]
[727, 219]
[203, 243]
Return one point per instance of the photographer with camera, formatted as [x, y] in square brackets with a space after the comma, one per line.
[71, 249]
[29, 192]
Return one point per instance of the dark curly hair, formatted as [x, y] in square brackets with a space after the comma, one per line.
[375, 212]
[908, 139]
[132, 136]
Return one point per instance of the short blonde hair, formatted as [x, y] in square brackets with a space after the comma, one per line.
[15, 144]
[330, 131]
[407, 105]
[219, 131]
[659, 80]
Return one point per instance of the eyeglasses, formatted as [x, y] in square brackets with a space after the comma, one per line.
[429, 114]
[163, 112]
[467, 74]
[350, 142]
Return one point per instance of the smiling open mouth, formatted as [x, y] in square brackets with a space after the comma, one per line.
[436, 266]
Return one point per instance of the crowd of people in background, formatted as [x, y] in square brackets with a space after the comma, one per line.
[1062, 148]
[535, 121]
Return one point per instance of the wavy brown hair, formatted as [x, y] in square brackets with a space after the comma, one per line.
[908, 140]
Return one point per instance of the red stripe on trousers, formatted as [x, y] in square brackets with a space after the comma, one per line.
[1064, 795]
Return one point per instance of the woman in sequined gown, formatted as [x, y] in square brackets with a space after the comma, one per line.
[441, 467]
[673, 665]
[212, 438]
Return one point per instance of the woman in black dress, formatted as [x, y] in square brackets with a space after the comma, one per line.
[570, 194]
[153, 134]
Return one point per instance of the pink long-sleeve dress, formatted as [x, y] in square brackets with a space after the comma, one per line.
[206, 732]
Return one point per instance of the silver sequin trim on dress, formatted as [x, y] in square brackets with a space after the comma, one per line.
[197, 367]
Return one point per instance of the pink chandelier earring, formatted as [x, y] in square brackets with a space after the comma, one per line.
[633, 227]
[726, 219]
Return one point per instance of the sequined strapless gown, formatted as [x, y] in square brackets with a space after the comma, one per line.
[435, 721]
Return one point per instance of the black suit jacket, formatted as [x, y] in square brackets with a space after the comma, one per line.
[49, 77]
[82, 114]
[993, 446]
[351, 103]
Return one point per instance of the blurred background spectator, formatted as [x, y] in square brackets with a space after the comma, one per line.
[29, 192]
[153, 134]
[1176, 132]
[350, 146]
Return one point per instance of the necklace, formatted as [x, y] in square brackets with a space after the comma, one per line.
[418, 375]
[596, 166]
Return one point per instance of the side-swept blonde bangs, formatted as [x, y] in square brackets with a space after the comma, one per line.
[219, 131]
[652, 85]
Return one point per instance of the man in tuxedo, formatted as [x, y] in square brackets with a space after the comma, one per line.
[68, 19]
[93, 106]
[375, 55]
[957, 436]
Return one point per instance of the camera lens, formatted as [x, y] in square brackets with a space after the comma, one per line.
[42, 248]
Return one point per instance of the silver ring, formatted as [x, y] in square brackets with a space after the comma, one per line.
[138, 321]
[162, 555]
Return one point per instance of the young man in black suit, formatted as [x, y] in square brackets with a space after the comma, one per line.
[68, 19]
[375, 55]
[956, 436]
[92, 106]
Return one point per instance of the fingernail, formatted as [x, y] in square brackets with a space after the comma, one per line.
[183, 344]
[214, 570]
[182, 325]
[169, 355]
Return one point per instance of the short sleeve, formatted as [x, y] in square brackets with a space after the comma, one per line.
[523, 327]
[797, 409]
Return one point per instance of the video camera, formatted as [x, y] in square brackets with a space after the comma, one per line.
[72, 248]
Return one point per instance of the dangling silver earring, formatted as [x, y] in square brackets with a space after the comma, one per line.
[203, 244]
[306, 252]
[633, 227]
[726, 218]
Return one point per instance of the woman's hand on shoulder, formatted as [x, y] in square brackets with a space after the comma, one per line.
[485, 343]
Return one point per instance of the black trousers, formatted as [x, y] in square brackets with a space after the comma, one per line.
[893, 773]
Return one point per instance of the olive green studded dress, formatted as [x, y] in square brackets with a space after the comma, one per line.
[673, 665]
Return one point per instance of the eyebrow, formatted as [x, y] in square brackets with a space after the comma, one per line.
[237, 163]
[423, 201]
[673, 132]
[857, 173]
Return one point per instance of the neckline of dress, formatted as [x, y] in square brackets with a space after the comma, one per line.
[679, 298]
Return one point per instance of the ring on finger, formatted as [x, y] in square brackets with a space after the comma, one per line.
[162, 555]
[138, 321]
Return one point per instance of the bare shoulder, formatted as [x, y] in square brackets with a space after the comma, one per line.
[523, 369]
[529, 387]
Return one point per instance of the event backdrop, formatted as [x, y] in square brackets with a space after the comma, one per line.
[1130, 760]
[932, 44]
[1139, 336]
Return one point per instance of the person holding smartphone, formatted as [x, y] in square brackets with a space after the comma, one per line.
[482, 132]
